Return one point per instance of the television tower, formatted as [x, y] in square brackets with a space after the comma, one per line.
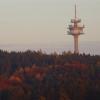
[75, 29]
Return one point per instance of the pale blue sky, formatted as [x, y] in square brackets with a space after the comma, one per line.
[46, 21]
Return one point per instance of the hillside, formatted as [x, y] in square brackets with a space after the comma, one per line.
[34, 75]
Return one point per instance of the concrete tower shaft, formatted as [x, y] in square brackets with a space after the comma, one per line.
[76, 51]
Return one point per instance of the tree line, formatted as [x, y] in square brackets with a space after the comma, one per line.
[34, 75]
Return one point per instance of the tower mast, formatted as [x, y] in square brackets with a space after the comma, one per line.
[75, 11]
[75, 30]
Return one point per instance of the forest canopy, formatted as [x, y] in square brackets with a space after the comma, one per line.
[42, 76]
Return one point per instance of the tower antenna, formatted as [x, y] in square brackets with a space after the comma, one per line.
[75, 29]
[75, 12]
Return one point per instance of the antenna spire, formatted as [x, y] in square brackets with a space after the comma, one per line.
[75, 11]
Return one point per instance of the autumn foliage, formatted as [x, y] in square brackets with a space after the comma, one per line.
[35, 75]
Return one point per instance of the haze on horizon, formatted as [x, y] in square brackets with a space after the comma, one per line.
[45, 22]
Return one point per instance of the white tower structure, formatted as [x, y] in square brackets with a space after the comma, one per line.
[75, 29]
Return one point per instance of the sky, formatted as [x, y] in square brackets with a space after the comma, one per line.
[44, 22]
